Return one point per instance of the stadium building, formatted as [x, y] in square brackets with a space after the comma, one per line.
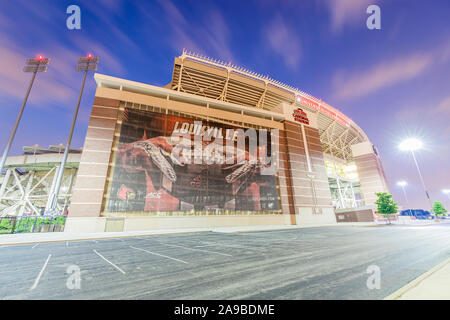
[326, 168]
[29, 179]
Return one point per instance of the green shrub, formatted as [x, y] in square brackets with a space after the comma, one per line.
[439, 209]
[24, 224]
[43, 221]
[5, 226]
[59, 220]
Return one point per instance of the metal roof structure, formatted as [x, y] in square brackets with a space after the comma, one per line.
[28, 179]
[36, 149]
[218, 80]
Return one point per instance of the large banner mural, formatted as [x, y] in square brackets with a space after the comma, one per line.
[167, 163]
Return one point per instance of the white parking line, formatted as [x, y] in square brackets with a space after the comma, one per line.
[161, 255]
[230, 246]
[173, 245]
[267, 240]
[35, 246]
[40, 273]
[108, 261]
[210, 244]
[205, 245]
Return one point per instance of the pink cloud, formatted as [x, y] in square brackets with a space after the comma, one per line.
[107, 60]
[210, 34]
[105, 12]
[284, 42]
[348, 12]
[181, 37]
[218, 35]
[387, 73]
[443, 107]
[57, 86]
[13, 81]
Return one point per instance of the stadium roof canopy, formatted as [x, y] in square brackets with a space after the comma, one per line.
[36, 149]
[214, 79]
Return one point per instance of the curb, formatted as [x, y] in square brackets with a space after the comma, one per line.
[400, 292]
[249, 230]
[105, 235]
[100, 238]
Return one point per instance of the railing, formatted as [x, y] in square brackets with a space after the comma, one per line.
[26, 224]
[317, 103]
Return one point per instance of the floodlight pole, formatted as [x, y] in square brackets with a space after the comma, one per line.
[53, 199]
[421, 179]
[447, 192]
[19, 116]
[406, 198]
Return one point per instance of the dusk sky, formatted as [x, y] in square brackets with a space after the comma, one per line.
[394, 82]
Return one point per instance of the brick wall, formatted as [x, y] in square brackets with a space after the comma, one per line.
[300, 187]
[371, 176]
[89, 188]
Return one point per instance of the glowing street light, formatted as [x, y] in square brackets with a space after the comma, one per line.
[403, 184]
[85, 64]
[411, 145]
[34, 65]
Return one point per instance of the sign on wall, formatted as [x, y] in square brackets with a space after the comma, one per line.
[300, 116]
[171, 163]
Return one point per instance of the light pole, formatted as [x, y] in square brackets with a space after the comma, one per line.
[412, 145]
[34, 65]
[403, 185]
[447, 192]
[88, 63]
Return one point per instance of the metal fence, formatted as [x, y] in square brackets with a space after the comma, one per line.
[26, 224]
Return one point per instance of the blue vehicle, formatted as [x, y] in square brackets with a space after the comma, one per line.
[418, 214]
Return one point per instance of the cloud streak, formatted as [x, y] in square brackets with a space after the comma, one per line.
[350, 85]
[49, 86]
[347, 12]
[443, 107]
[210, 35]
[284, 42]
[57, 86]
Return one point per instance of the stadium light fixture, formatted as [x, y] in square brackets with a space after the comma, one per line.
[411, 145]
[34, 65]
[402, 183]
[85, 64]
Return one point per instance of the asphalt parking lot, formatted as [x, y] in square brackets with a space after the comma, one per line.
[309, 263]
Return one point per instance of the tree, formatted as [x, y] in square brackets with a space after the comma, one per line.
[386, 206]
[438, 208]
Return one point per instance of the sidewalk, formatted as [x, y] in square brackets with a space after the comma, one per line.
[24, 238]
[432, 285]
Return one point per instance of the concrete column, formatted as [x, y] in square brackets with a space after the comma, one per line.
[89, 188]
[26, 193]
[309, 192]
[5, 182]
[52, 187]
[284, 179]
[370, 171]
